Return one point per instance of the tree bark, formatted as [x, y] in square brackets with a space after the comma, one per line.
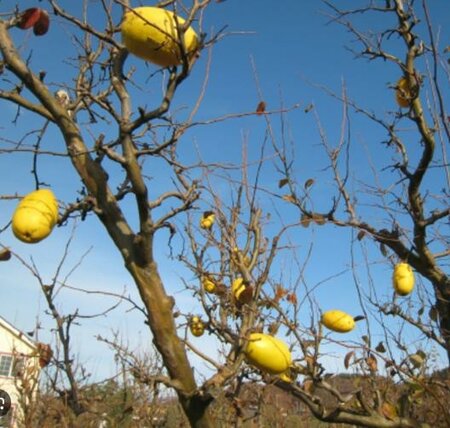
[160, 318]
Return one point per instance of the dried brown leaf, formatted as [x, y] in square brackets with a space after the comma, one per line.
[422, 354]
[289, 198]
[347, 359]
[380, 348]
[416, 360]
[310, 361]
[309, 183]
[292, 298]
[372, 363]
[42, 25]
[221, 289]
[319, 219]
[420, 311]
[5, 255]
[433, 314]
[305, 220]
[280, 292]
[28, 18]
[389, 363]
[389, 411]
[273, 328]
[261, 108]
[283, 182]
[308, 386]
[246, 296]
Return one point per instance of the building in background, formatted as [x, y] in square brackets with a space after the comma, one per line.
[21, 359]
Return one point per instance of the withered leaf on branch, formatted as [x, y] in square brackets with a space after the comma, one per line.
[305, 220]
[389, 363]
[417, 360]
[420, 311]
[289, 198]
[5, 255]
[246, 296]
[383, 250]
[422, 354]
[292, 298]
[389, 411]
[283, 182]
[261, 108]
[221, 289]
[372, 363]
[380, 348]
[309, 183]
[273, 328]
[433, 314]
[319, 219]
[347, 359]
[310, 362]
[36, 18]
[308, 108]
[280, 292]
[308, 386]
[28, 18]
[41, 27]
[361, 235]
[45, 354]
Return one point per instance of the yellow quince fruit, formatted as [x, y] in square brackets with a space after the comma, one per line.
[269, 354]
[237, 287]
[207, 220]
[35, 216]
[208, 285]
[403, 93]
[338, 321]
[196, 326]
[403, 279]
[151, 33]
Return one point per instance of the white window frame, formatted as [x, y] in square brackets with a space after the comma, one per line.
[14, 363]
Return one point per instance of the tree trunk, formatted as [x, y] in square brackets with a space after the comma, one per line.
[160, 319]
[443, 310]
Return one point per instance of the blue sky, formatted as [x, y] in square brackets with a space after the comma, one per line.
[293, 49]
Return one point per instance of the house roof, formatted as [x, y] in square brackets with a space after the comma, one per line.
[17, 333]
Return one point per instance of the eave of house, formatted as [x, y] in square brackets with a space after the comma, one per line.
[18, 334]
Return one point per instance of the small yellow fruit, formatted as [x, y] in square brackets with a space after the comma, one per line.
[207, 220]
[403, 279]
[338, 321]
[151, 33]
[268, 353]
[403, 93]
[237, 287]
[35, 216]
[197, 326]
[235, 258]
[208, 285]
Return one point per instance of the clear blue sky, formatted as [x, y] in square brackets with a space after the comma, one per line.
[293, 48]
